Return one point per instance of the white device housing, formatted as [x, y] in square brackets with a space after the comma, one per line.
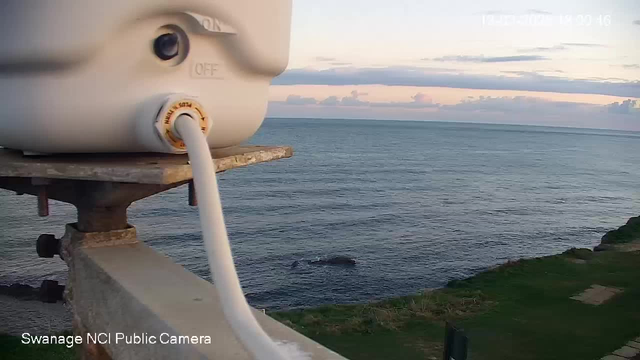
[82, 75]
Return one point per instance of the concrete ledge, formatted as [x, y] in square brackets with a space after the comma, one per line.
[132, 289]
[161, 169]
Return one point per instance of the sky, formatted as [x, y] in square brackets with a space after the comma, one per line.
[569, 63]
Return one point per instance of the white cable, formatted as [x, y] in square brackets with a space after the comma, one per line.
[214, 232]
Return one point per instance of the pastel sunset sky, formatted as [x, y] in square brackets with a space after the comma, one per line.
[560, 63]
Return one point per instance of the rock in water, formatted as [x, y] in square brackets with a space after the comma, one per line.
[335, 260]
[341, 260]
[294, 264]
[20, 291]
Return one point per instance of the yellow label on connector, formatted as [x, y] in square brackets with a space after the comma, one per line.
[182, 107]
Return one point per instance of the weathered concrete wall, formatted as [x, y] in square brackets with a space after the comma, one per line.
[130, 288]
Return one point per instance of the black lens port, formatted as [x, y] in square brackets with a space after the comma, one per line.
[166, 46]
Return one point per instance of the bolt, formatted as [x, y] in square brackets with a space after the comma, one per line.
[47, 246]
[43, 202]
[193, 200]
[50, 291]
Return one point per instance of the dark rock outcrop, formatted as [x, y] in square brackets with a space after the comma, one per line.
[604, 247]
[20, 291]
[581, 254]
[624, 234]
[49, 291]
[334, 260]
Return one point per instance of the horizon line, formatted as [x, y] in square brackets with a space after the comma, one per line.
[446, 121]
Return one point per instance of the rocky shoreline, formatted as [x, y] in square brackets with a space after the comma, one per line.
[20, 291]
[22, 308]
[624, 238]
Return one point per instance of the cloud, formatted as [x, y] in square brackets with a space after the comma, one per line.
[483, 104]
[331, 61]
[626, 107]
[299, 100]
[494, 59]
[561, 47]
[589, 45]
[531, 73]
[416, 76]
[526, 12]
[538, 12]
[636, 22]
[518, 104]
[419, 101]
[351, 100]
[422, 98]
[534, 105]
[520, 72]
[324, 59]
[354, 100]
[482, 109]
[598, 78]
[330, 101]
[493, 12]
[541, 49]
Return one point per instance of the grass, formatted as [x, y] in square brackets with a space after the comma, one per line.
[520, 310]
[11, 348]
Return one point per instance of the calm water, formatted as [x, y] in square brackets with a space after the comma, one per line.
[416, 203]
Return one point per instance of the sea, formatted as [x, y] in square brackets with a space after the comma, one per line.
[416, 204]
